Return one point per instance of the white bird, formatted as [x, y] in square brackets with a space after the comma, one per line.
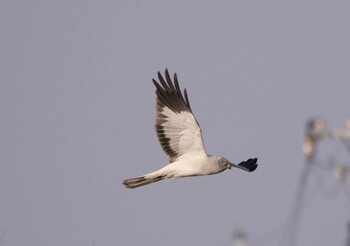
[180, 136]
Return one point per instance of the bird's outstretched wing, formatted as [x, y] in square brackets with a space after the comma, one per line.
[178, 131]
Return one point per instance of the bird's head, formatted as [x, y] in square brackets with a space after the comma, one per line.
[224, 163]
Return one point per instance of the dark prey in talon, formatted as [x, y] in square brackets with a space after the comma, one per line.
[180, 136]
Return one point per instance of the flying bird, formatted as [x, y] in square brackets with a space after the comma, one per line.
[180, 136]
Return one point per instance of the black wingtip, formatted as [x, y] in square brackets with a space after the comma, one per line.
[249, 165]
[169, 93]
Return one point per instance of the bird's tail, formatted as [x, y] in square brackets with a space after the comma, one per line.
[141, 181]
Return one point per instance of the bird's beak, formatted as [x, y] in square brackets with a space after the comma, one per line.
[232, 165]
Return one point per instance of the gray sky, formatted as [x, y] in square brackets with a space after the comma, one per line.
[77, 117]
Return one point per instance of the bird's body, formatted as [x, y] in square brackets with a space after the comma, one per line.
[187, 167]
[180, 137]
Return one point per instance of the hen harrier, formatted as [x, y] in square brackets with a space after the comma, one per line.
[180, 136]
